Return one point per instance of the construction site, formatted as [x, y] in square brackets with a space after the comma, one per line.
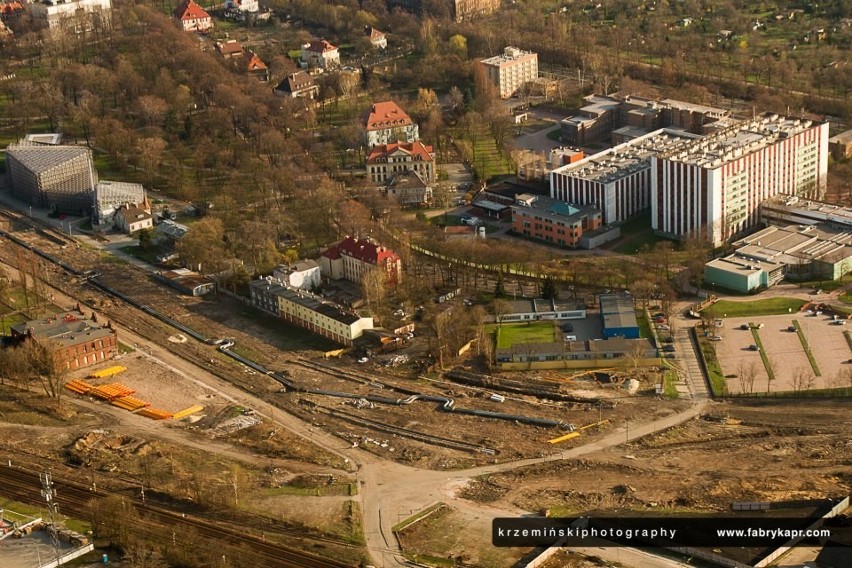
[187, 419]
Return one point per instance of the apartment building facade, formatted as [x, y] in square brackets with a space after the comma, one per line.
[352, 258]
[510, 70]
[308, 311]
[712, 187]
[553, 221]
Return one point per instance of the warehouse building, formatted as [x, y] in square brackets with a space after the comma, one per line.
[61, 178]
[618, 316]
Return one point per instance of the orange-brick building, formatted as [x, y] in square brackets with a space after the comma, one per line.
[553, 221]
[71, 337]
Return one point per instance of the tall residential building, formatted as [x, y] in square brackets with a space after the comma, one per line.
[351, 258]
[712, 187]
[59, 177]
[386, 123]
[616, 181]
[511, 70]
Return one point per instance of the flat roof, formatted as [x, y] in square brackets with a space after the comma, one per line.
[65, 328]
[741, 139]
[627, 158]
[819, 210]
[549, 208]
[508, 55]
[307, 300]
[842, 138]
[618, 311]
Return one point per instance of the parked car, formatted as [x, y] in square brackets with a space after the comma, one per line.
[744, 326]
[669, 348]
[715, 338]
[754, 347]
[663, 327]
[567, 327]
[667, 340]
[839, 322]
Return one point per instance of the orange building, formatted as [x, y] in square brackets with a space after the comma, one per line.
[553, 221]
[72, 338]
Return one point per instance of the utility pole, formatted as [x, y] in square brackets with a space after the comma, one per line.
[48, 491]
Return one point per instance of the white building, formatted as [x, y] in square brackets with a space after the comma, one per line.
[712, 187]
[320, 53]
[511, 70]
[132, 218]
[110, 195]
[250, 6]
[191, 17]
[377, 38]
[76, 16]
[616, 181]
[303, 275]
[308, 311]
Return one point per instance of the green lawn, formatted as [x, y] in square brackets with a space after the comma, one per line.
[767, 307]
[455, 221]
[510, 334]
[806, 346]
[717, 377]
[644, 324]
[767, 364]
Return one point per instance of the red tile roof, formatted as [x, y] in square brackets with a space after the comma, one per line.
[363, 250]
[320, 46]
[253, 62]
[10, 7]
[230, 47]
[387, 114]
[189, 10]
[416, 148]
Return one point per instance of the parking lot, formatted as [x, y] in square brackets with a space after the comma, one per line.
[785, 352]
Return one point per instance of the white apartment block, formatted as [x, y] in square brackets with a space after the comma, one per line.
[511, 70]
[616, 181]
[75, 16]
[712, 187]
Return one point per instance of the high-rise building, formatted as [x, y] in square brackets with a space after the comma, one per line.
[711, 187]
[511, 70]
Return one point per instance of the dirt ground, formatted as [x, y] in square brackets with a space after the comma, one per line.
[785, 351]
[782, 451]
[509, 439]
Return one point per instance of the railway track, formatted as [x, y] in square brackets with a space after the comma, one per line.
[76, 500]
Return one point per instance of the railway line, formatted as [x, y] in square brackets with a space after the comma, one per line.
[76, 499]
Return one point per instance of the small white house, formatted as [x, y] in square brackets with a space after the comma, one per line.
[320, 53]
[130, 218]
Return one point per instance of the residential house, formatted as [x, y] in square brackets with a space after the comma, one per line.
[308, 311]
[10, 11]
[320, 53]
[73, 340]
[553, 221]
[377, 38]
[298, 84]
[386, 123]
[170, 231]
[229, 49]
[511, 70]
[250, 6]
[351, 258]
[191, 17]
[254, 66]
[302, 275]
[186, 281]
[408, 189]
[131, 218]
[385, 160]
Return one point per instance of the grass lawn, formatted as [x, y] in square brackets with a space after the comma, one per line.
[717, 377]
[510, 334]
[767, 364]
[669, 388]
[767, 307]
[455, 221]
[644, 325]
[7, 321]
[632, 245]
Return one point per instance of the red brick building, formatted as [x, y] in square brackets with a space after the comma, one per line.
[553, 221]
[72, 338]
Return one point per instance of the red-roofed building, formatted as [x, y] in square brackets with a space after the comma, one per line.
[386, 160]
[386, 123]
[377, 38]
[254, 66]
[229, 49]
[320, 53]
[10, 11]
[191, 17]
[351, 258]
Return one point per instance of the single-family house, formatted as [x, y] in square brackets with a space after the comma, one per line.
[298, 84]
[386, 123]
[320, 53]
[377, 38]
[131, 218]
[191, 17]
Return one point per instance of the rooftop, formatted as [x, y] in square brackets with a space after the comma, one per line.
[319, 46]
[816, 210]
[189, 10]
[842, 138]
[362, 249]
[627, 158]
[66, 329]
[416, 148]
[172, 229]
[732, 143]
[553, 209]
[794, 244]
[387, 114]
[307, 300]
[40, 159]
[509, 54]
